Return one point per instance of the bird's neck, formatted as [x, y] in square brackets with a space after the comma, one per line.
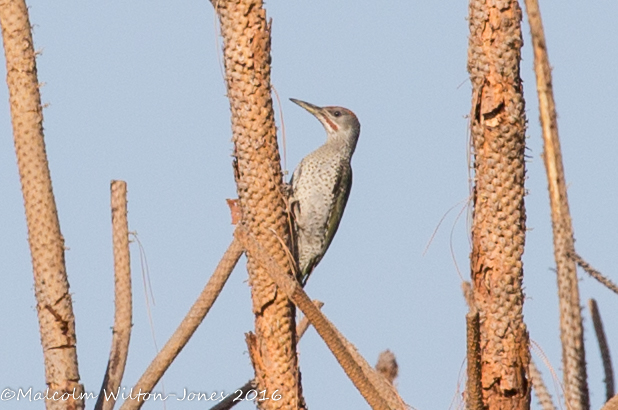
[342, 142]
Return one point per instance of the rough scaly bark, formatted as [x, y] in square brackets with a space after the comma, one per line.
[246, 51]
[51, 286]
[497, 127]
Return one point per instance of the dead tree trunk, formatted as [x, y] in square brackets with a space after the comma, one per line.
[51, 287]
[246, 50]
[497, 127]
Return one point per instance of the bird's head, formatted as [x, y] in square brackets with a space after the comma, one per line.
[340, 123]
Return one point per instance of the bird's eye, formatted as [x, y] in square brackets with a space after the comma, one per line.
[337, 113]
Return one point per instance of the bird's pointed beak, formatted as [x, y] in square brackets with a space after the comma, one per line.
[313, 109]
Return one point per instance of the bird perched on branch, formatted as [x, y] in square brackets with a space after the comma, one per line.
[321, 185]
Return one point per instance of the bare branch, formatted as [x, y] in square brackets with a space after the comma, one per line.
[123, 300]
[188, 326]
[571, 327]
[604, 280]
[51, 286]
[302, 327]
[379, 396]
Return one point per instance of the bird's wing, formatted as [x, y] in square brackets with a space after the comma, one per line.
[294, 210]
[294, 205]
[296, 174]
[343, 181]
[343, 185]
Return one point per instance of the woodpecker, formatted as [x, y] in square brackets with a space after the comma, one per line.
[321, 185]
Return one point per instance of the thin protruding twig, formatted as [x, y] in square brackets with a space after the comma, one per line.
[188, 326]
[123, 299]
[230, 401]
[377, 397]
[604, 347]
[474, 388]
[604, 280]
[539, 387]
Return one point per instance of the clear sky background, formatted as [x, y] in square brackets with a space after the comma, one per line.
[135, 92]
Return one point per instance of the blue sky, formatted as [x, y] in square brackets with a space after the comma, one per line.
[135, 92]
